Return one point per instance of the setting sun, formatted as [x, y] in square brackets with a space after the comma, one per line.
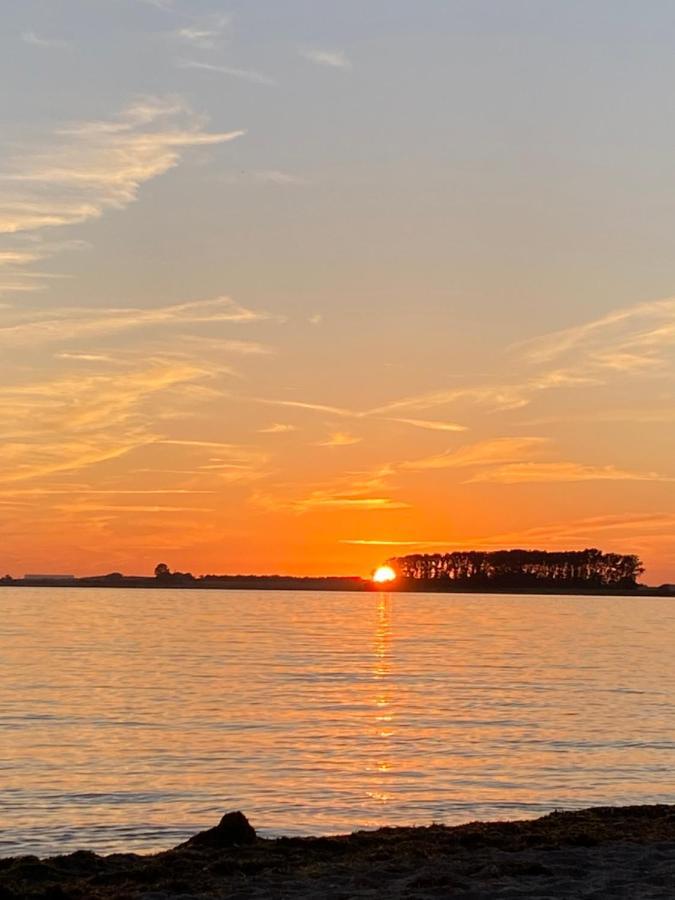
[383, 574]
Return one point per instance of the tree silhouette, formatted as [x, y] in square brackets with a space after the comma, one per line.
[522, 568]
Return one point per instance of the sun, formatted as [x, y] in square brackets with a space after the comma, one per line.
[383, 574]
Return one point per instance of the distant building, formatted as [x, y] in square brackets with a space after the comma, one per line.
[48, 577]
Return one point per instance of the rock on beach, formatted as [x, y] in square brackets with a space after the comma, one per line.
[233, 830]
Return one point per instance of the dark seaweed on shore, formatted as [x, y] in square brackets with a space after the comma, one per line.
[622, 851]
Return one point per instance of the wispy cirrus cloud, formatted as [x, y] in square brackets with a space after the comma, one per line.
[78, 403]
[491, 396]
[633, 415]
[251, 75]
[630, 531]
[339, 439]
[125, 509]
[334, 59]
[483, 453]
[344, 438]
[277, 428]
[83, 170]
[85, 357]
[17, 285]
[358, 491]
[200, 343]
[185, 442]
[234, 463]
[432, 425]
[343, 412]
[586, 529]
[633, 341]
[206, 32]
[638, 337]
[72, 490]
[618, 528]
[517, 460]
[41, 326]
[328, 500]
[71, 423]
[377, 413]
[560, 473]
[18, 258]
[321, 500]
[307, 405]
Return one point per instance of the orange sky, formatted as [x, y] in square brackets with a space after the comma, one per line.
[253, 318]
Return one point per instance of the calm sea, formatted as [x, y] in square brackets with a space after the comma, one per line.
[132, 719]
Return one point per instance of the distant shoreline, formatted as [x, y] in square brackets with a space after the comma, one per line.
[331, 584]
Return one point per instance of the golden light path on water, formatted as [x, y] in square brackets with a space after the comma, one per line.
[383, 699]
[131, 719]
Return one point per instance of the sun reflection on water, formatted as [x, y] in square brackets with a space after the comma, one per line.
[383, 699]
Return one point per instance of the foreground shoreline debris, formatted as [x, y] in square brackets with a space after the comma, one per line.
[599, 852]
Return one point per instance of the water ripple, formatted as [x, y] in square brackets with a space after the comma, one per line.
[130, 720]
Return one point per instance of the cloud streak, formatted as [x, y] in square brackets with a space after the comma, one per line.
[560, 473]
[515, 460]
[636, 338]
[357, 491]
[339, 439]
[232, 71]
[311, 407]
[432, 425]
[18, 257]
[91, 167]
[277, 428]
[329, 500]
[491, 396]
[634, 341]
[483, 453]
[334, 59]
[204, 33]
[72, 323]
[619, 528]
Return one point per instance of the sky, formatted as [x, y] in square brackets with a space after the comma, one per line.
[298, 286]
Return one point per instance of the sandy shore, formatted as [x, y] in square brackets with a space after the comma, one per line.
[609, 852]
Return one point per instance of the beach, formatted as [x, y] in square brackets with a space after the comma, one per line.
[617, 852]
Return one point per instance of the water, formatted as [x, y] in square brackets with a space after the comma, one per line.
[131, 719]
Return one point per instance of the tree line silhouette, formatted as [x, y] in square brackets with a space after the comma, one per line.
[589, 568]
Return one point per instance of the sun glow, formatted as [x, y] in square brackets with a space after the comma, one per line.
[383, 574]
